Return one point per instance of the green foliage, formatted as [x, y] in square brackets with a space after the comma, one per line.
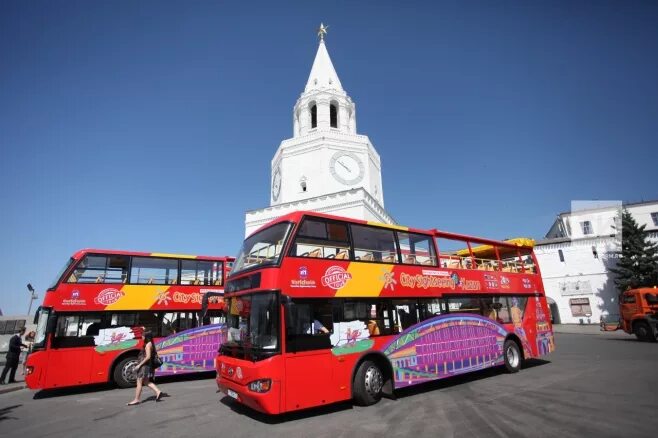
[637, 262]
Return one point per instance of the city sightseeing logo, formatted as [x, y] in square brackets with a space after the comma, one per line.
[336, 277]
[108, 296]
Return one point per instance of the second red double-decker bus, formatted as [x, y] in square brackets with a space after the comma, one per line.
[90, 325]
[322, 309]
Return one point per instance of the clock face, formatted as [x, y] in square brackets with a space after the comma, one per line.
[276, 184]
[347, 168]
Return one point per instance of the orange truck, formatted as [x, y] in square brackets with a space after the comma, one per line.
[638, 314]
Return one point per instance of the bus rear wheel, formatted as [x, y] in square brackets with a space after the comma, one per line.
[125, 374]
[512, 355]
[643, 331]
[368, 384]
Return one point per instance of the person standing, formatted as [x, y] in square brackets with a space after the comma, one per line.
[13, 355]
[29, 339]
[145, 370]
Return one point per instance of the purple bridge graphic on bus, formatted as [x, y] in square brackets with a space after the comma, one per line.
[189, 351]
[445, 346]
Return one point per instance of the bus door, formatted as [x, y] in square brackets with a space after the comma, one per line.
[309, 362]
[72, 353]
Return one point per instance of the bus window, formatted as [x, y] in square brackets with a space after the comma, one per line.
[374, 313]
[464, 305]
[199, 272]
[372, 244]
[321, 239]
[152, 270]
[517, 309]
[431, 307]
[177, 322]
[405, 314]
[416, 249]
[101, 269]
[77, 330]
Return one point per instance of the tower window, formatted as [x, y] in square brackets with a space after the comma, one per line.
[560, 254]
[314, 116]
[303, 185]
[333, 115]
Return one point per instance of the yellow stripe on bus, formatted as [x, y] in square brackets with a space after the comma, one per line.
[367, 280]
[178, 256]
[395, 227]
[140, 296]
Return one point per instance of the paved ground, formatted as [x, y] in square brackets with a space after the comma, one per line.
[595, 384]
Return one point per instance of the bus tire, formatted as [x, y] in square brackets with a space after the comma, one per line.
[368, 383]
[512, 356]
[124, 374]
[643, 331]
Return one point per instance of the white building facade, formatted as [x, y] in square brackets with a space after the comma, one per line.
[576, 256]
[326, 166]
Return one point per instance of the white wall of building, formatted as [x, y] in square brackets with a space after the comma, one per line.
[584, 272]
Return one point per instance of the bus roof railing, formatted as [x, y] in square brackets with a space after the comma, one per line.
[514, 243]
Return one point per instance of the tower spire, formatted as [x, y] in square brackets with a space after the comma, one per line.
[323, 74]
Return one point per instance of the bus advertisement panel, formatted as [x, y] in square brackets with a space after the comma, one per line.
[91, 322]
[355, 310]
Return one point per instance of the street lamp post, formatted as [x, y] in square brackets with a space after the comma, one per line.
[33, 296]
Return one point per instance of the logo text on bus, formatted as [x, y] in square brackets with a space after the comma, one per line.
[336, 277]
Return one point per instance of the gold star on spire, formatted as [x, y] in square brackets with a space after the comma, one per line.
[322, 31]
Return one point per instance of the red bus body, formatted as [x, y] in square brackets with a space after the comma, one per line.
[118, 308]
[451, 341]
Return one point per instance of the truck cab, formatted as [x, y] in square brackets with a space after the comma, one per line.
[639, 313]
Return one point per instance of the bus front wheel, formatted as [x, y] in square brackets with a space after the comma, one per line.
[124, 372]
[368, 383]
[512, 356]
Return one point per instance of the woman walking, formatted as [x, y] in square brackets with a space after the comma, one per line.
[145, 370]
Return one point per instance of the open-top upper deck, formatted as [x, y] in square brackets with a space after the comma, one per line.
[101, 279]
[314, 254]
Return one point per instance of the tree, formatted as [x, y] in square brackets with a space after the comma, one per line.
[637, 262]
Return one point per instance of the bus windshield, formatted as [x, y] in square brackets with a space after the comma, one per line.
[252, 322]
[262, 248]
[60, 273]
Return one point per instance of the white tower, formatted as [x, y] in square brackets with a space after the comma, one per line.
[326, 166]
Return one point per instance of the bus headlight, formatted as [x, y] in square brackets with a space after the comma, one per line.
[262, 385]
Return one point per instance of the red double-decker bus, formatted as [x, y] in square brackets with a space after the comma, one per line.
[91, 322]
[322, 309]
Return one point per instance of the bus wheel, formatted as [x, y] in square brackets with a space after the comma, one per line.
[643, 331]
[368, 384]
[512, 356]
[124, 374]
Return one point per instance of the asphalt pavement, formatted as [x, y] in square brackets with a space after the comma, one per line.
[594, 384]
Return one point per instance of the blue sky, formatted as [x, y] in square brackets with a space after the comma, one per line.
[151, 125]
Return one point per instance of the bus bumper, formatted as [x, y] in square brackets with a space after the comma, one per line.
[254, 384]
[267, 403]
[34, 367]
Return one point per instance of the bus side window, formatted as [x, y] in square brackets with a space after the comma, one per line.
[406, 313]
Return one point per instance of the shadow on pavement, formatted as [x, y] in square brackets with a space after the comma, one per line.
[85, 389]
[282, 418]
[5, 412]
[449, 382]
[399, 393]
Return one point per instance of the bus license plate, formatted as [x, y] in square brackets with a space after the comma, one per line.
[232, 394]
